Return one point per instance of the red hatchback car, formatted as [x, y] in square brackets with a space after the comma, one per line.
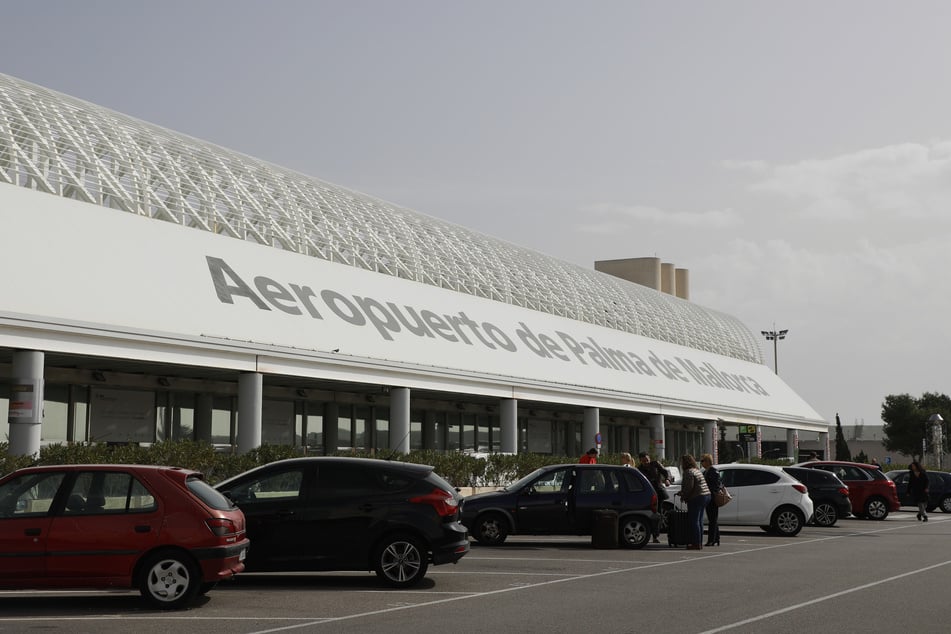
[872, 494]
[162, 530]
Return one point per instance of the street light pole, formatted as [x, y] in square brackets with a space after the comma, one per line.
[775, 336]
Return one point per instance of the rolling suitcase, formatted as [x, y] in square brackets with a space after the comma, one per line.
[677, 531]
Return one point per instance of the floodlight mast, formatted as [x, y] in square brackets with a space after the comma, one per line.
[774, 336]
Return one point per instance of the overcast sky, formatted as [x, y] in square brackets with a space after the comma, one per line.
[794, 156]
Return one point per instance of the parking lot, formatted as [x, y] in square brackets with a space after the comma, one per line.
[857, 575]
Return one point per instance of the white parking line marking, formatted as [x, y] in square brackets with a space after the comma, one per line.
[798, 606]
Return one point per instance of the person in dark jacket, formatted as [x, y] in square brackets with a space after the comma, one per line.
[918, 489]
[659, 478]
[712, 476]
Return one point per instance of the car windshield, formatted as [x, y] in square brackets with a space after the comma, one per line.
[518, 484]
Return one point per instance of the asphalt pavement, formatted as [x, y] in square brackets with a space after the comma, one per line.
[853, 577]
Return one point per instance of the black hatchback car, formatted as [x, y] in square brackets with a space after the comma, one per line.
[310, 514]
[939, 489]
[830, 496]
[562, 500]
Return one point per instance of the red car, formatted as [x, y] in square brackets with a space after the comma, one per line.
[872, 494]
[162, 530]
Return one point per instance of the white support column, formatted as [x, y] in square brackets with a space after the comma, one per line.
[250, 405]
[792, 444]
[824, 445]
[710, 439]
[331, 428]
[508, 425]
[399, 419]
[590, 427]
[657, 434]
[25, 418]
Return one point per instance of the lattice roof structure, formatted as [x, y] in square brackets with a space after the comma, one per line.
[67, 147]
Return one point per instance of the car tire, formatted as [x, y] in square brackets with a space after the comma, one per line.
[876, 508]
[946, 504]
[634, 532]
[491, 529]
[401, 560]
[169, 579]
[787, 521]
[825, 514]
[205, 588]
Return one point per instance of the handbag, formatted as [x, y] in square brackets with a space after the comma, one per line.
[722, 497]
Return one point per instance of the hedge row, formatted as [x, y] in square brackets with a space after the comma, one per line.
[459, 469]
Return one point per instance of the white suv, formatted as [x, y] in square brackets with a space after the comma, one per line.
[763, 496]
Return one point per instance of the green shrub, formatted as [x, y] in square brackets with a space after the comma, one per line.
[457, 468]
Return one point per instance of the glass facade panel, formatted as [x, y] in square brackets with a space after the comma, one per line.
[55, 413]
[315, 429]
[221, 421]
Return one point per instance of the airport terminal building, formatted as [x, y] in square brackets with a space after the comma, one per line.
[159, 287]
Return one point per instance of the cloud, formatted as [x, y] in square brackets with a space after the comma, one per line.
[908, 180]
[655, 215]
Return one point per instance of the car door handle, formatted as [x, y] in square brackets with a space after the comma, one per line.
[32, 531]
[284, 513]
[143, 528]
[366, 507]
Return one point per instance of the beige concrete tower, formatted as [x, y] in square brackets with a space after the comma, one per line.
[683, 283]
[649, 272]
[668, 281]
[643, 271]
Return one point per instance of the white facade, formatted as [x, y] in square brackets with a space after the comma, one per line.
[126, 241]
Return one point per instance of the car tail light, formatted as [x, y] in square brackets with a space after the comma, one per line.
[801, 488]
[654, 503]
[444, 502]
[844, 490]
[221, 526]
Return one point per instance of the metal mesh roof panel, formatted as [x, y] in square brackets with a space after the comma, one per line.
[67, 147]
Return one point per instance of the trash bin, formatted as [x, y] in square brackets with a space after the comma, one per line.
[604, 530]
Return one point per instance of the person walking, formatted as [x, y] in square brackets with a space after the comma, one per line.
[627, 460]
[695, 492]
[714, 483]
[590, 457]
[659, 478]
[918, 489]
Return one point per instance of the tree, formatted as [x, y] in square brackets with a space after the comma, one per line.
[841, 447]
[906, 423]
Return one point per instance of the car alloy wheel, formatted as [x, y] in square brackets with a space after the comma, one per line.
[825, 514]
[787, 521]
[401, 561]
[634, 532]
[169, 580]
[876, 509]
[491, 529]
[946, 504]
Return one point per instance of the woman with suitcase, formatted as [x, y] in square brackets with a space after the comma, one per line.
[696, 494]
